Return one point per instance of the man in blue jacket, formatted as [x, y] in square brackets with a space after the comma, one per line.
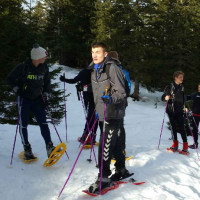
[116, 102]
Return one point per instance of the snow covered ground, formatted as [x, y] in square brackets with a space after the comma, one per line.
[168, 176]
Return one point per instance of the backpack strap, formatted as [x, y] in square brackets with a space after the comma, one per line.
[107, 70]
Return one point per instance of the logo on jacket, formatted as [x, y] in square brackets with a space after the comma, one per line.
[35, 77]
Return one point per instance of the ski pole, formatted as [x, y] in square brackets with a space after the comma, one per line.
[92, 145]
[88, 128]
[65, 109]
[18, 120]
[192, 134]
[89, 160]
[84, 133]
[162, 123]
[52, 121]
[74, 165]
[104, 128]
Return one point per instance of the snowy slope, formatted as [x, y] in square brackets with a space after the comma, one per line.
[167, 175]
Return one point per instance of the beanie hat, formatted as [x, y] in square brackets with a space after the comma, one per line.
[38, 52]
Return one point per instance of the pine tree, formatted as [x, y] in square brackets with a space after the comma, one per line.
[14, 50]
[68, 31]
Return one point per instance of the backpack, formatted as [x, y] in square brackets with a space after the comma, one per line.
[126, 79]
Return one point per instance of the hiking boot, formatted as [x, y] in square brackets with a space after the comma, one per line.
[105, 183]
[28, 155]
[120, 174]
[193, 146]
[49, 148]
[174, 146]
[88, 142]
[185, 149]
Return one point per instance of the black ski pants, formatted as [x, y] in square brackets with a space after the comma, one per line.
[112, 146]
[90, 110]
[38, 110]
[177, 119]
[195, 125]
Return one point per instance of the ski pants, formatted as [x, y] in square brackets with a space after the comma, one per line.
[123, 135]
[177, 119]
[112, 146]
[90, 110]
[38, 110]
[195, 125]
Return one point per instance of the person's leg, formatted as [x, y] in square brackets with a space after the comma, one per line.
[195, 125]
[119, 153]
[85, 131]
[40, 115]
[123, 136]
[110, 139]
[23, 123]
[180, 120]
[91, 117]
[172, 121]
[197, 136]
[24, 119]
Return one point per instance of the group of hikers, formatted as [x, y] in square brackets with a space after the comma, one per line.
[104, 88]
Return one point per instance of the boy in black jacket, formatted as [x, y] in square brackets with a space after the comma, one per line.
[84, 79]
[174, 94]
[196, 113]
[29, 80]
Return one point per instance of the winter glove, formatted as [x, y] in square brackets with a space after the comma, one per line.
[79, 87]
[97, 115]
[16, 89]
[106, 99]
[62, 78]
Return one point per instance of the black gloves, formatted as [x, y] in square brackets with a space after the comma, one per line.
[79, 88]
[62, 78]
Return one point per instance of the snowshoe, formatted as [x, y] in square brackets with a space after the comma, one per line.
[105, 183]
[174, 147]
[25, 160]
[126, 159]
[28, 154]
[55, 155]
[184, 152]
[121, 174]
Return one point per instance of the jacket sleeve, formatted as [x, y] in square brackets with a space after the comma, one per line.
[117, 82]
[166, 92]
[14, 78]
[47, 81]
[190, 97]
[75, 79]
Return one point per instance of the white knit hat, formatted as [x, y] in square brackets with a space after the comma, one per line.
[38, 52]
